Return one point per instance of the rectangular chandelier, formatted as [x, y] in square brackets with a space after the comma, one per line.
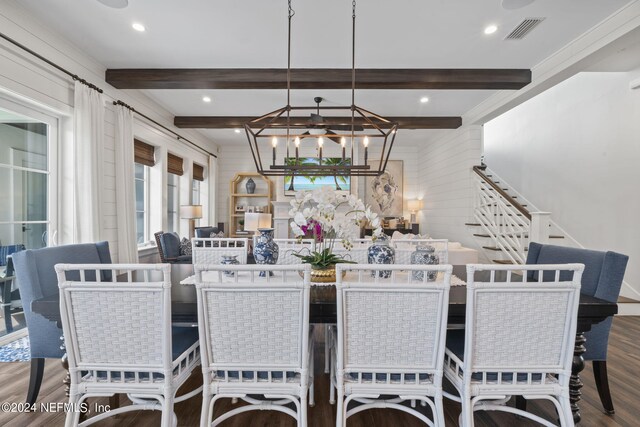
[332, 142]
[291, 139]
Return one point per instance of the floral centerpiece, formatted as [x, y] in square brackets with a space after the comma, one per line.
[315, 214]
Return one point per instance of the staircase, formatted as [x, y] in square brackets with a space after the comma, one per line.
[503, 225]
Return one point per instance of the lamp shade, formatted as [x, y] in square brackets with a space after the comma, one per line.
[414, 205]
[191, 211]
[254, 221]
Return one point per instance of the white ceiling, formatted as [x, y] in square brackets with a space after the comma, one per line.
[252, 33]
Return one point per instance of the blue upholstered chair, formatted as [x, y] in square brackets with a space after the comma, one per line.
[602, 278]
[205, 232]
[37, 279]
[169, 248]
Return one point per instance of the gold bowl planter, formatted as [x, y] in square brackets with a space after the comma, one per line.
[323, 275]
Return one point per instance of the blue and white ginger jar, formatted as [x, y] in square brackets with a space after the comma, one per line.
[381, 252]
[265, 251]
[424, 254]
[229, 260]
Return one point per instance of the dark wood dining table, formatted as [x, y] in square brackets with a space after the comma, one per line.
[591, 311]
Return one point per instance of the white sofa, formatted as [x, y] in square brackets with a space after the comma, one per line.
[457, 254]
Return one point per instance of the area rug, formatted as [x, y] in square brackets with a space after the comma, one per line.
[16, 351]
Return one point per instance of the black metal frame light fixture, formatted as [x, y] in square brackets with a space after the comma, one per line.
[352, 125]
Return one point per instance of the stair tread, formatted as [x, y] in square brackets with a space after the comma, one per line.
[502, 261]
[497, 249]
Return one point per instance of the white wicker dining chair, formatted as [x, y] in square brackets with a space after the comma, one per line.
[119, 338]
[358, 252]
[289, 247]
[211, 250]
[255, 339]
[518, 340]
[390, 339]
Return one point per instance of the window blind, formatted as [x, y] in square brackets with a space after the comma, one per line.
[198, 172]
[174, 164]
[143, 153]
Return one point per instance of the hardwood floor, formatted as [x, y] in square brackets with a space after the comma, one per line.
[624, 377]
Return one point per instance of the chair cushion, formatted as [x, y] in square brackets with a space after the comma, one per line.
[182, 338]
[170, 243]
[455, 344]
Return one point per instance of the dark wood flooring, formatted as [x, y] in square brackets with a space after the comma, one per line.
[623, 364]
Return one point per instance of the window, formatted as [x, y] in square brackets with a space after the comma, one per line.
[195, 192]
[142, 203]
[173, 202]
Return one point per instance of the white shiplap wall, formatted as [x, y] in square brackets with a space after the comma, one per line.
[446, 181]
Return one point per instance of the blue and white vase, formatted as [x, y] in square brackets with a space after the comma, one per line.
[250, 186]
[229, 260]
[381, 252]
[424, 254]
[265, 250]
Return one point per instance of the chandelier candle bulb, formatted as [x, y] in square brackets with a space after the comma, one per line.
[297, 144]
[343, 143]
[274, 143]
[365, 142]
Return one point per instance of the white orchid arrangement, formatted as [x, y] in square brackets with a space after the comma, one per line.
[315, 212]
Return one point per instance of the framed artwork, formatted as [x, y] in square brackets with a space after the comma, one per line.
[384, 193]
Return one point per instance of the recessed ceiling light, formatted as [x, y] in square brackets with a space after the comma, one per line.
[138, 26]
[237, 131]
[424, 99]
[490, 29]
[116, 4]
[206, 99]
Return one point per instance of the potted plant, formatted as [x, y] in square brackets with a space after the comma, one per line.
[315, 214]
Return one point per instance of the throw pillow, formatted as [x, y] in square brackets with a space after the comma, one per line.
[185, 246]
[215, 235]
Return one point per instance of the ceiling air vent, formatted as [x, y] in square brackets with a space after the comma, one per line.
[524, 28]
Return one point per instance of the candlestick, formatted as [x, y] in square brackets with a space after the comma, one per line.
[343, 142]
[297, 143]
[320, 143]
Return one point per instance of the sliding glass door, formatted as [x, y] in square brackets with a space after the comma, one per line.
[28, 141]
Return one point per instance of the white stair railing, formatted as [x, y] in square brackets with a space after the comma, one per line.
[509, 225]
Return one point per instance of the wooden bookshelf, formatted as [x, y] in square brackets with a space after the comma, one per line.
[238, 196]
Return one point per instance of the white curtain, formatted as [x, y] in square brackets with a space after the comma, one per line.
[125, 187]
[213, 191]
[88, 119]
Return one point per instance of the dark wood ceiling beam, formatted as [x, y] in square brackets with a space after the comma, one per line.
[317, 78]
[227, 122]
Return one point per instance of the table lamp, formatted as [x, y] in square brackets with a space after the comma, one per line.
[414, 206]
[191, 212]
[254, 221]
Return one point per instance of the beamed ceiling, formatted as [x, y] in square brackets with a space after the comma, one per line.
[235, 53]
